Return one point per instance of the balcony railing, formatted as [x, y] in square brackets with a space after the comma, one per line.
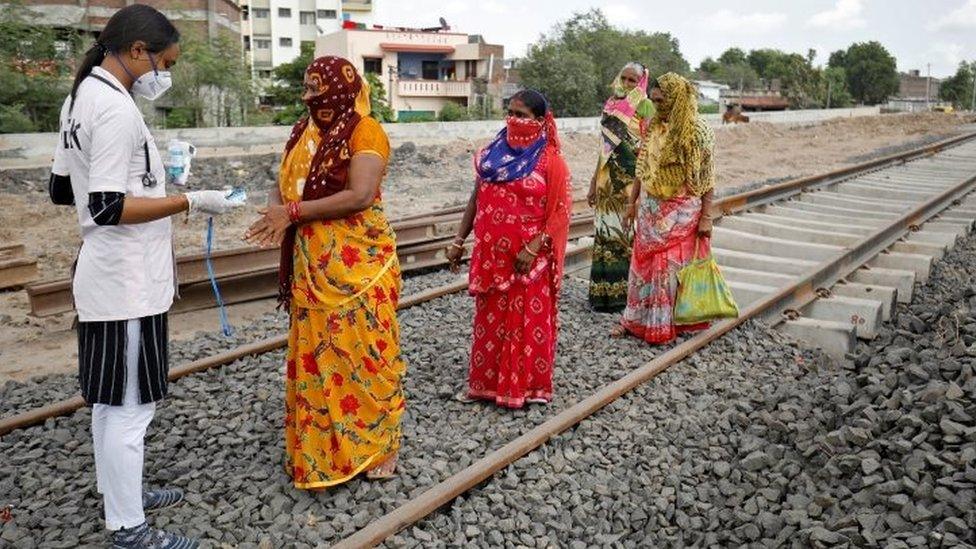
[434, 88]
[357, 5]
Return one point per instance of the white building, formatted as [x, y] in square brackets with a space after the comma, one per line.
[423, 71]
[709, 92]
[273, 30]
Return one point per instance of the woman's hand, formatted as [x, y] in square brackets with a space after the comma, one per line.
[454, 254]
[629, 216]
[705, 226]
[525, 257]
[269, 230]
[591, 195]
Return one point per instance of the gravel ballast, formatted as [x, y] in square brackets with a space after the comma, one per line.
[752, 441]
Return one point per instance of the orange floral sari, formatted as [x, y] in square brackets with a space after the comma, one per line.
[344, 394]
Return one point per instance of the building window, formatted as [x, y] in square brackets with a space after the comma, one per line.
[284, 12]
[262, 43]
[470, 69]
[373, 65]
[264, 74]
[306, 17]
[262, 13]
[428, 70]
[284, 42]
[328, 14]
[245, 10]
[448, 72]
[247, 43]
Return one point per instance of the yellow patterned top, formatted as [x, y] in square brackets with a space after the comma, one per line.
[338, 260]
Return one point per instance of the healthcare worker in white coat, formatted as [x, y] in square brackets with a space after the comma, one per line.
[107, 165]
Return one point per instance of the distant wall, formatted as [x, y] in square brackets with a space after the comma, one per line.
[34, 150]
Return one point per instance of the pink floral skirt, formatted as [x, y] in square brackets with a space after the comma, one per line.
[664, 242]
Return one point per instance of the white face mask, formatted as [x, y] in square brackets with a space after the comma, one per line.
[153, 84]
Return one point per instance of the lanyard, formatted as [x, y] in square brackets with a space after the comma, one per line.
[148, 179]
[225, 326]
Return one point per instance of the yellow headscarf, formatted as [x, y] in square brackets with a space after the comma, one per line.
[685, 158]
[363, 106]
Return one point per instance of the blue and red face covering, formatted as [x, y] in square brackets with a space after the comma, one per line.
[514, 152]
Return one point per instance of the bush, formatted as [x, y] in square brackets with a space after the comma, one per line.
[288, 115]
[417, 118]
[708, 109]
[13, 120]
[452, 112]
[181, 117]
[377, 99]
[259, 117]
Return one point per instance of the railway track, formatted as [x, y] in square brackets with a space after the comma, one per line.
[909, 209]
[250, 273]
[824, 257]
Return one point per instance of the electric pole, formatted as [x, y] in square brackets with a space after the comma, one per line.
[928, 87]
[972, 105]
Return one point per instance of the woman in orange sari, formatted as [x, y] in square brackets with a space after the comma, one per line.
[340, 279]
[519, 210]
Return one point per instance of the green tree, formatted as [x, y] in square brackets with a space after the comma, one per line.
[733, 56]
[833, 89]
[377, 99]
[286, 92]
[958, 89]
[762, 61]
[838, 59]
[872, 74]
[738, 75]
[211, 83]
[568, 78]
[575, 63]
[799, 80]
[36, 66]
[708, 67]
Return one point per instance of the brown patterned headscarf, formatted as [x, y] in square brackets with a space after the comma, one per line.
[334, 114]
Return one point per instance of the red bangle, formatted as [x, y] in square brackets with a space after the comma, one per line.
[294, 212]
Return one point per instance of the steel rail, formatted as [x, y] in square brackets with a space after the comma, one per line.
[792, 296]
[730, 204]
[249, 273]
[781, 191]
[72, 404]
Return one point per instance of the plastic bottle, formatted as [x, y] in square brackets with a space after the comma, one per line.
[176, 163]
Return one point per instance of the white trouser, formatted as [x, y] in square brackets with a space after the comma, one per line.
[118, 433]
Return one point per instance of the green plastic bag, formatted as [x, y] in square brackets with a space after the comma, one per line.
[703, 294]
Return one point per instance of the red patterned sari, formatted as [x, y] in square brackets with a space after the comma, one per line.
[515, 324]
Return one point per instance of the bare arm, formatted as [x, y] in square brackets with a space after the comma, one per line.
[635, 192]
[274, 196]
[467, 220]
[365, 174]
[143, 210]
[455, 251]
[705, 221]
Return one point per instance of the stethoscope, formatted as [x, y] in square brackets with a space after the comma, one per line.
[148, 179]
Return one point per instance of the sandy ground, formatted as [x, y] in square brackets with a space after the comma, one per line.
[420, 178]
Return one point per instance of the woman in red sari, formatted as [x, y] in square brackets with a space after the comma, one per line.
[519, 211]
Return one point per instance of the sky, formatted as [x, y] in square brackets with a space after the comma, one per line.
[917, 32]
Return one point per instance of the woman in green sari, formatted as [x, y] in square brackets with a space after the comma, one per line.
[625, 115]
